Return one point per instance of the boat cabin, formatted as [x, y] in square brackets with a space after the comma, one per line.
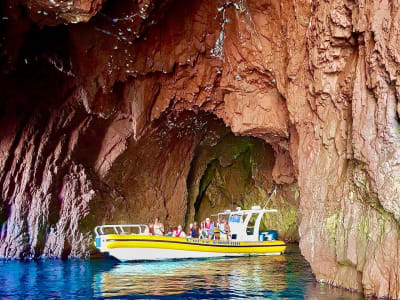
[245, 224]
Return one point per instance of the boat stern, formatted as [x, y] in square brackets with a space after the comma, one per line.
[103, 232]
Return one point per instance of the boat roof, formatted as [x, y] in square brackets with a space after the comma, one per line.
[239, 211]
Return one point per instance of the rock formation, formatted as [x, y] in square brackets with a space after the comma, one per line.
[114, 111]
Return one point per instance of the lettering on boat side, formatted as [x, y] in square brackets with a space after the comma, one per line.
[226, 243]
[199, 241]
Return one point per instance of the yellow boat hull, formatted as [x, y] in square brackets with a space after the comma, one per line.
[141, 247]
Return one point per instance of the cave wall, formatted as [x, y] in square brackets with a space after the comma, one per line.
[316, 80]
[151, 174]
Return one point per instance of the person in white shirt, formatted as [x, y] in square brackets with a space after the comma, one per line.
[158, 227]
[180, 232]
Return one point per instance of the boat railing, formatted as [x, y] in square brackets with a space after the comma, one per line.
[121, 229]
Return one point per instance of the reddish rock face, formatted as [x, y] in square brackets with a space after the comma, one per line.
[100, 121]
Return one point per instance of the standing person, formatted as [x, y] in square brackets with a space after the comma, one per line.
[211, 231]
[227, 231]
[222, 233]
[180, 232]
[158, 227]
[207, 226]
[201, 235]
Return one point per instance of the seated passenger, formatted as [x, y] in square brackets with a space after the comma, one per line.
[174, 230]
[148, 230]
[195, 231]
[158, 227]
[180, 232]
[189, 233]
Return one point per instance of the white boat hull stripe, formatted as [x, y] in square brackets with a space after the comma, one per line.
[132, 254]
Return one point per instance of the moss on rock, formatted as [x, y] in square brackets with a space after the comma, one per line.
[237, 171]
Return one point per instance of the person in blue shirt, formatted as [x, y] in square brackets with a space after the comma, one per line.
[195, 231]
[211, 231]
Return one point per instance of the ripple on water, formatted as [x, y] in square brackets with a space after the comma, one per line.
[262, 277]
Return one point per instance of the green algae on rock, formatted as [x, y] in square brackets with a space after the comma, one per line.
[237, 171]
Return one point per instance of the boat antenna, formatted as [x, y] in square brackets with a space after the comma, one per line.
[270, 196]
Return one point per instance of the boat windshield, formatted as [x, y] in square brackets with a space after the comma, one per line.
[235, 218]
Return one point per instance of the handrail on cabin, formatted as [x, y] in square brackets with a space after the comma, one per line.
[119, 229]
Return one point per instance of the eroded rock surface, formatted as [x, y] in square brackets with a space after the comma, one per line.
[101, 120]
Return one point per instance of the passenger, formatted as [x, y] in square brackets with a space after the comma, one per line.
[206, 228]
[174, 230]
[227, 231]
[203, 233]
[158, 227]
[189, 233]
[170, 233]
[180, 232]
[211, 231]
[222, 232]
[195, 231]
[149, 229]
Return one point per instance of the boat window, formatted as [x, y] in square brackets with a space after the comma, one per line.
[235, 218]
[244, 217]
[250, 225]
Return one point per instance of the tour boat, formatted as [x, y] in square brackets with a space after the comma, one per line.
[245, 239]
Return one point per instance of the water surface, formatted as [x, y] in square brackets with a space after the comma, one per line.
[263, 277]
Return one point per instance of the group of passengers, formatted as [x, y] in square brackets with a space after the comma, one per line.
[205, 231]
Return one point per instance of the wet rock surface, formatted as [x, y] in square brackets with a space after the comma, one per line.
[104, 121]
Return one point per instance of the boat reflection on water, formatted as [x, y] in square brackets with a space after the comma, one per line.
[261, 277]
[218, 277]
[268, 277]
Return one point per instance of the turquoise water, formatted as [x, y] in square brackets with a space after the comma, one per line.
[280, 277]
